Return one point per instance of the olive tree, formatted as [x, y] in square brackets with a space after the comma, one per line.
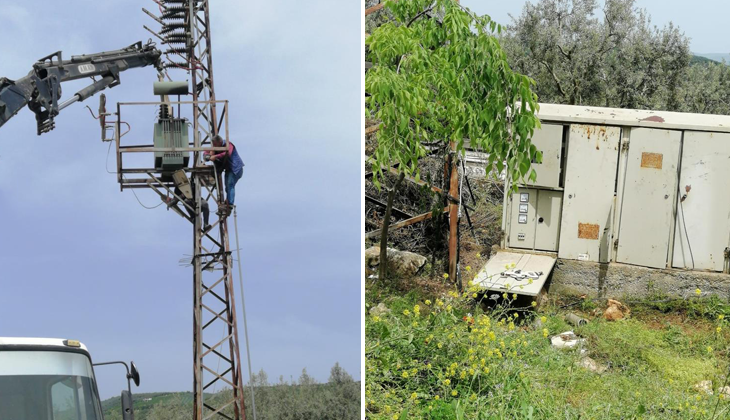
[440, 77]
[583, 54]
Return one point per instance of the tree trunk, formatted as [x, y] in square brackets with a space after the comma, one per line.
[383, 268]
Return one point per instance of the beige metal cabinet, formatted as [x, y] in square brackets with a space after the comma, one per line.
[549, 140]
[590, 180]
[647, 203]
[547, 225]
[535, 219]
[703, 219]
[522, 222]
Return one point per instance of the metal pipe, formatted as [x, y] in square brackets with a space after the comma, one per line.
[74, 99]
[576, 320]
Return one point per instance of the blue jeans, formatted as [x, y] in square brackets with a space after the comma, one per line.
[231, 180]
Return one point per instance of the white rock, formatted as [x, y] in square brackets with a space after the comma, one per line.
[566, 340]
[592, 365]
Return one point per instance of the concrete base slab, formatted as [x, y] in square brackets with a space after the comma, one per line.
[616, 280]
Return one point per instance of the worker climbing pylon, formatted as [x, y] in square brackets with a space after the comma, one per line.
[230, 162]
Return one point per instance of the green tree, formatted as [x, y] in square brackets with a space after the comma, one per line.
[440, 77]
[580, 54]
[338, 375]
[706, 89]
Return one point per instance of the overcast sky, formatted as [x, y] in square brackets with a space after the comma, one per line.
[701, 20]
[80, 259]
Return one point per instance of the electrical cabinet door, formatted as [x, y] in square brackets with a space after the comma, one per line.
[547, 225]
[590, 180]
[703, 219]
[522, 222]
[549, 140]
[650, 185]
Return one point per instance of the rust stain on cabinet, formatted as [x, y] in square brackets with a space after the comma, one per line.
[587, 231]
[651, 160]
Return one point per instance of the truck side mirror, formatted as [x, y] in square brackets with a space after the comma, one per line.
[135, 374]
[127, 406]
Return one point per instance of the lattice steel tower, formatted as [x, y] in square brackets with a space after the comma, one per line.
[186, 40]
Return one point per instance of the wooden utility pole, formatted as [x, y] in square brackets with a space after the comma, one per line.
[453, 213]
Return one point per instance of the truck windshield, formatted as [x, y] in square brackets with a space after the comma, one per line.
[47, 385]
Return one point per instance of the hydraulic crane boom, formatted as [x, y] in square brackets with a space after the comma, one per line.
[41, 88]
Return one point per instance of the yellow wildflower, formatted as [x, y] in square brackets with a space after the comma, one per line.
[698, 292]
[468, 268]
[479, 255]
[454, 393]
[404, 374]
[414, 396]
[514, 295]
[406, 312]
[534, 303]
[376, 318]
[427, 302]
[721, 317]
[447, 382]
[719, 328]
[474, 295]
[544, 332]
[446, 275]
[543, 319]
[709, 349]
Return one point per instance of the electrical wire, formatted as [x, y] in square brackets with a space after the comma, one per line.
[243, 311]
[140, 202]
[684, 223]
[106, 164]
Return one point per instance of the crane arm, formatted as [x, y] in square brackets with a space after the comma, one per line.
[40, 90]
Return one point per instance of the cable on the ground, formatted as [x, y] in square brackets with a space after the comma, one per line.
[243, 310]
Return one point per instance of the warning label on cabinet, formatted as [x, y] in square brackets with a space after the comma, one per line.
[587, 231]
[651, 160]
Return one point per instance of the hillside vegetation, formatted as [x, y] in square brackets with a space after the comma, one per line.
[436, 356]
[302, 399]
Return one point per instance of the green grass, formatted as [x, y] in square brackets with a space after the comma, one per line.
[497, 365]
[112, 406]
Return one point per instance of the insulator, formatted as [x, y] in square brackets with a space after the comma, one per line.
[181, 51]
[175, 64]
[172, 27]
[178, 1]
[176, 40]
[167, 16]
[164, 112]
[175, 9]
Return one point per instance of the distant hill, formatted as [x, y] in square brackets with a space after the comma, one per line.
[712, 56]
[698, 59]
